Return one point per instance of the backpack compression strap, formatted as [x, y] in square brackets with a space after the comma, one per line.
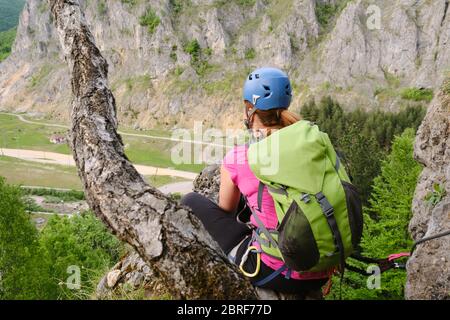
[328, 211]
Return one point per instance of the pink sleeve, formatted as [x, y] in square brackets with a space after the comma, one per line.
[230, 164]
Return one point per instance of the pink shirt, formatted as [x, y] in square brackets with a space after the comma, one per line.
[235, 162]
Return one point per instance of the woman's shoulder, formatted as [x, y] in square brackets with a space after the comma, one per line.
[237, 155]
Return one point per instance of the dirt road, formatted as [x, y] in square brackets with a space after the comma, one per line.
[67, 160]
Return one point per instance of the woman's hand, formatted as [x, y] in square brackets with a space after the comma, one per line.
[229, 194]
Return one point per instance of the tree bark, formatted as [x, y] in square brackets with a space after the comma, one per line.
[165, 234]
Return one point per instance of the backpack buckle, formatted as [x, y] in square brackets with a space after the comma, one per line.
[305, 198]
[327, 208]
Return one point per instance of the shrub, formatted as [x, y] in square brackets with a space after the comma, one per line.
[23, 264]
[151, 20]
[35, 265]
[325, 12]
[198, 61]
[417, 94]
[6, 42]
[178, 5]
[193, 49]
[80, 241]
[250, 54]
[66, 196]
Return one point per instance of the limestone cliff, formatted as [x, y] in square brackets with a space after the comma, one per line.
[173, 60]
[429, 267]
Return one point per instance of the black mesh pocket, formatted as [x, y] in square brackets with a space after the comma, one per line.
[296, 240]
[354, 209]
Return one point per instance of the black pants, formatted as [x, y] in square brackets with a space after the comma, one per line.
[228, 233]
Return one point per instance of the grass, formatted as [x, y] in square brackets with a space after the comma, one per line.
[277, 12]
[139, 82]
[417, 94]
[15, 134]
[22, 172]
[40, 75]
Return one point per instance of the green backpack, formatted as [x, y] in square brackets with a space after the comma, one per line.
[319, 211]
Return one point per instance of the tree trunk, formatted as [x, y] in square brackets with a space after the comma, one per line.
[165, 234]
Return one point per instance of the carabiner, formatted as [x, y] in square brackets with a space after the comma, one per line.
[244, 259]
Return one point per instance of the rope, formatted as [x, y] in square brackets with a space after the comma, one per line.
[438, 235]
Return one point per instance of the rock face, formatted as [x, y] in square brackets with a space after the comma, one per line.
[364, 56]
[429, 266]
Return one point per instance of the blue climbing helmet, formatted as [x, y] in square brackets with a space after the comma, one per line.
[268, 88]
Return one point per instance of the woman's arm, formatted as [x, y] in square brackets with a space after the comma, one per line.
[229, 194]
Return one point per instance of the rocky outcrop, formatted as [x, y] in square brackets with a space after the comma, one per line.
[357, 58]
[429, 266]
[207, 182]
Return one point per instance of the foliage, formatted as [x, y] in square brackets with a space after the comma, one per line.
[131, 3]
[151, 20]
[417, 94]
[357, 134]
[179, 5]
[246, 2]
[326, 12]
[435, 196]
[193, 49]
[9, 13]
[6, 41]
[35, 265]
[198, 56]
[386, 220]
[66, 196]
[81, 241]
[250, 54]
[32, 206]
[21, 258]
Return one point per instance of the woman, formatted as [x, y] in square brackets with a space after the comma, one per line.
[267, 96]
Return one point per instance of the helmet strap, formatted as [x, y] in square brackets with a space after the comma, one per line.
[249, 121]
